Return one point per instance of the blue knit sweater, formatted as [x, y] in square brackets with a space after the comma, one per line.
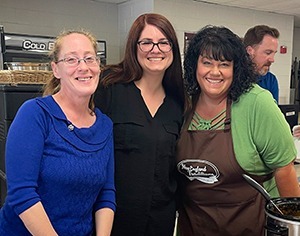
[69, 170]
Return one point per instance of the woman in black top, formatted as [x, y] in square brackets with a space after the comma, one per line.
[144, 97]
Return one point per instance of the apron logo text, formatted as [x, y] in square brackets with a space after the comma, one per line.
[201, 170]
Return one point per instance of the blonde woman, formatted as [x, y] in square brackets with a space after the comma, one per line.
[59, 166]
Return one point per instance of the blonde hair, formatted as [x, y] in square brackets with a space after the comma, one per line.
[53, 85]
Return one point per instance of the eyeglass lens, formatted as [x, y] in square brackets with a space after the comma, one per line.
[91, 60]
[148, 46]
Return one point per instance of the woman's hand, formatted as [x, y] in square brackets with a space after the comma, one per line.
[296, 131]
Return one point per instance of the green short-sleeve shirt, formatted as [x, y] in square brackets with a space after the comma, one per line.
[262, 138]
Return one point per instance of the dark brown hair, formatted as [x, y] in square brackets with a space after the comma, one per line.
[129, 69]
[256, 34]
[218, 43]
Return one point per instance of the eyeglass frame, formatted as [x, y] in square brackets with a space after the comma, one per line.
[97, 60]
[155, 44]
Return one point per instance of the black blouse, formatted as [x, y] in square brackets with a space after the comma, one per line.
[145, 173]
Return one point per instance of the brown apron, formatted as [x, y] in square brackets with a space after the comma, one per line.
[216, 200]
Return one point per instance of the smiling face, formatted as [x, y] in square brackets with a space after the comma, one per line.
[80, 79]
[155, 61]
[214, 77]
[263, 54]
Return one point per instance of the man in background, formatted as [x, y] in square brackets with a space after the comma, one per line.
[261, 42]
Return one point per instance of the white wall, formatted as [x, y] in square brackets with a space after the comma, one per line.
[43, 17]
[127, 13]
[111, 22]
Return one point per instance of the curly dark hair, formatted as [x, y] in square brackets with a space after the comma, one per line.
[220, 44]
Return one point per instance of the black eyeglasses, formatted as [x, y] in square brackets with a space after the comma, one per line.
[147, 46]
[74, 61]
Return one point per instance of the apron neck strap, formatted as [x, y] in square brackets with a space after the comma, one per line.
[227, 121]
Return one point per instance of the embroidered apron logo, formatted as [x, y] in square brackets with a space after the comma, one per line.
[200, 170]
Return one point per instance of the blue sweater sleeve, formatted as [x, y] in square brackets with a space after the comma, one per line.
[24, 148]
[106, 197]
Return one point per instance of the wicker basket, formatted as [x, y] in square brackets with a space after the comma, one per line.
[24, 76]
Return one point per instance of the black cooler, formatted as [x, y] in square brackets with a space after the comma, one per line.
[11, 98]
[290, 112]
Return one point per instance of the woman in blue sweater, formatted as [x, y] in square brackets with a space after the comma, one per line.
[59, 152]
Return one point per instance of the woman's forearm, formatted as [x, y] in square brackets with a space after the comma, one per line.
[104, 220]
[37, 222]
[287, 181]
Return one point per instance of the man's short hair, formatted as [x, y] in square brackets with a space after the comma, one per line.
[256, 34]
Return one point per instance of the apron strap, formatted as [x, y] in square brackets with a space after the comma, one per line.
[227, 121]
[261, 178]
